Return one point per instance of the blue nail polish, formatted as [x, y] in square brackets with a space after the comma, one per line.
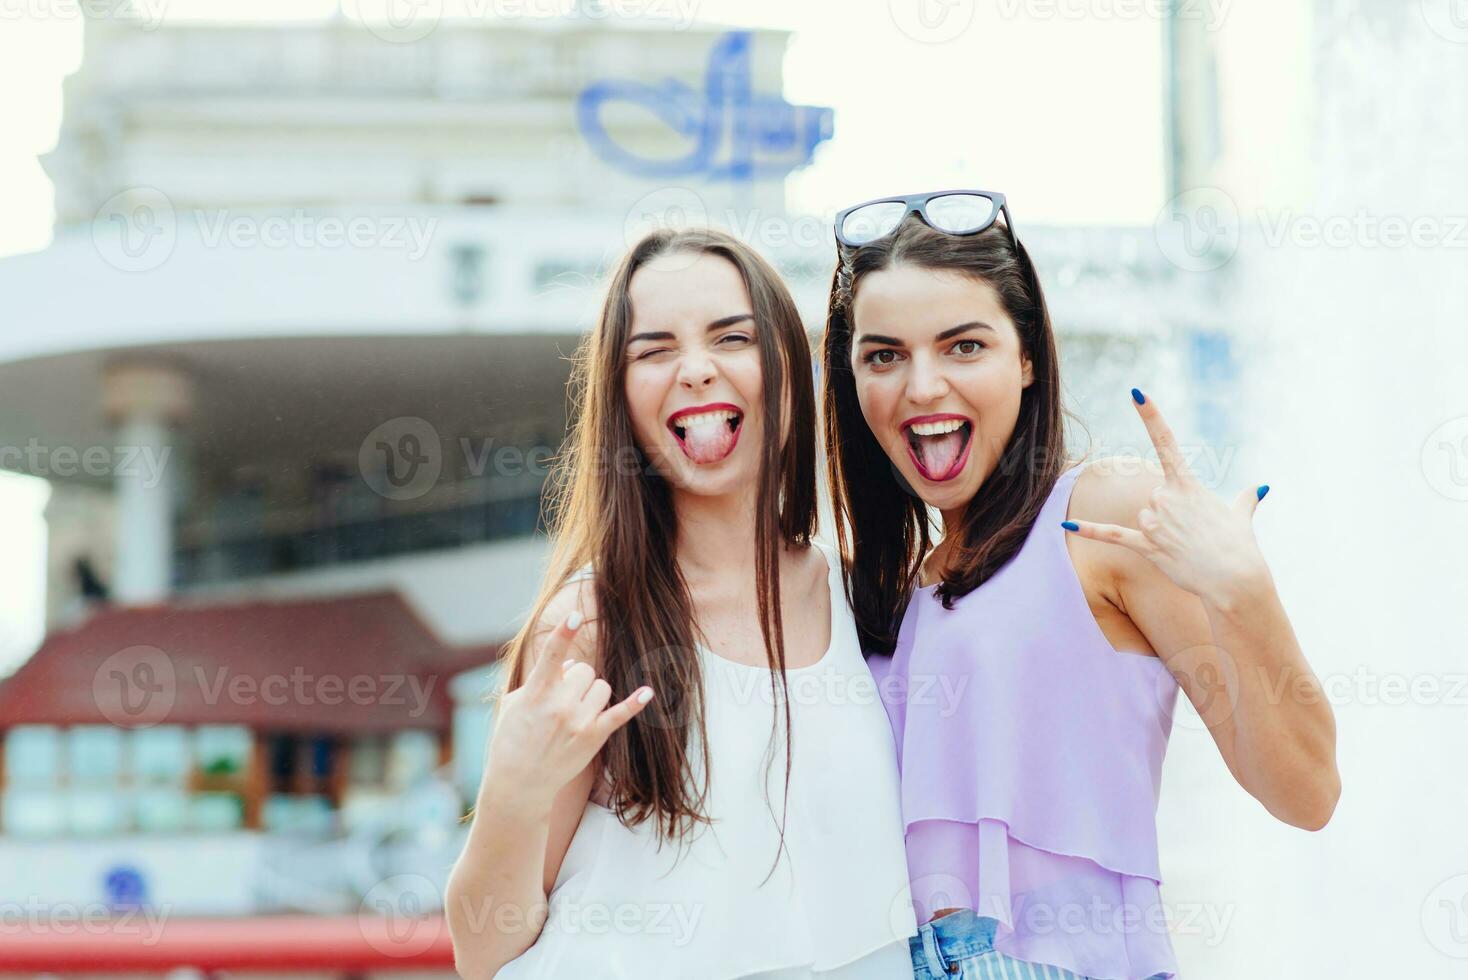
[1138, 397]
[1262, 491]
[1070, 525]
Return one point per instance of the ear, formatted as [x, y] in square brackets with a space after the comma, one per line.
[1027, 370]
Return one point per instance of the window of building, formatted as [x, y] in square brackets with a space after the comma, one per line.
[33, 756]
[94, 755]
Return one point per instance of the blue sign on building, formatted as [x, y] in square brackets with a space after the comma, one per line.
[738, 134]
[125, 887]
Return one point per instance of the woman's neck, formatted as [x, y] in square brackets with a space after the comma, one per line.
[716, 534]
[934, 561]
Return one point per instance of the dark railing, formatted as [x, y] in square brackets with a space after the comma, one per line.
[212, 557]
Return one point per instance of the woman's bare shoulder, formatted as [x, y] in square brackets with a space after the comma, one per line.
[576, 595]
[1110, 490]
[819, 560]
[1114, 489]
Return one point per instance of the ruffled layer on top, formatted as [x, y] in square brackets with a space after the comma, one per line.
[1058, 909]
[1031, 754]
[623, 909]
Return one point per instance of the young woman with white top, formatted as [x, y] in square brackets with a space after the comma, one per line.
[735, 813]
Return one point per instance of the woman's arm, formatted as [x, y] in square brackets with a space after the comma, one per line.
[496, 901]
[539, 774]
[1191, 578]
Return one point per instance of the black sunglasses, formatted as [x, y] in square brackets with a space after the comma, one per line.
[960, 212]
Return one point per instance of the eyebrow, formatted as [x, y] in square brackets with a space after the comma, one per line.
[719, 324]
[873, 338]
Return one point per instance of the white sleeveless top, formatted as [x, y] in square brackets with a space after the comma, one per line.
[836, 907]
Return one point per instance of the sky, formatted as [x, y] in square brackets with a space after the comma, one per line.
[1061, 112]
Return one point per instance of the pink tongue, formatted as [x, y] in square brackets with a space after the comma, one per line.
[708, 443]
[939, 453]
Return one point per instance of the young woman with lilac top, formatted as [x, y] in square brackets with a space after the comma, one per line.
[1030, 661]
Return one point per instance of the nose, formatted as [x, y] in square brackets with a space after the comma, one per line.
[925, 382]
[696, 371]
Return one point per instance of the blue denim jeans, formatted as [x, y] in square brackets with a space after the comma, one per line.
[961, 945]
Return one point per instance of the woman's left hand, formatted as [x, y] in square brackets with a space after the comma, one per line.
[1200, 542]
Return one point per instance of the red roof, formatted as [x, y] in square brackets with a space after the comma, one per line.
[349, 664]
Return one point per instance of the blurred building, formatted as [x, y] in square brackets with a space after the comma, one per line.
[294, 367]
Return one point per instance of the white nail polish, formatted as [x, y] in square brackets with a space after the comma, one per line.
[567, 662]
[644, 696]
[573, 621]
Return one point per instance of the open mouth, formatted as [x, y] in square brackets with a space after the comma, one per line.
[938, 445]
[707, 434]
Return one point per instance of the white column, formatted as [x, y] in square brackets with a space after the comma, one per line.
[144, 403]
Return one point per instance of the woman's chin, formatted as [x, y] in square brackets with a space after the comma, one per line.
[943, 494]
[714, 479]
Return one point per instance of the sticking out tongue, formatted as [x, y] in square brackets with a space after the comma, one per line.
[708, 442]
[939, 453]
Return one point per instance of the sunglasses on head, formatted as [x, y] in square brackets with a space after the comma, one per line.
[961, 212]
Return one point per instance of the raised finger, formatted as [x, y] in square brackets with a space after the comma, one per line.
[622, 712]
[553, 651]
[1127, 537]
[1168, 454]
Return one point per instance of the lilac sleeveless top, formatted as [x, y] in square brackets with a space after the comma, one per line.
[1030, 751]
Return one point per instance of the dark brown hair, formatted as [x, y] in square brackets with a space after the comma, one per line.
[882, 525]
[607, 507]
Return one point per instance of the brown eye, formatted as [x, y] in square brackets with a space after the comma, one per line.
[968, 347]
[881, 358]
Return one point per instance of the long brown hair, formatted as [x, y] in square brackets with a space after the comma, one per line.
[882, 525]
[609, 508]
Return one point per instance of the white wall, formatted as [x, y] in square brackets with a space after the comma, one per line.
[183, 875]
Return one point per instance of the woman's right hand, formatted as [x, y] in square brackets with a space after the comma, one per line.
[552, 726]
